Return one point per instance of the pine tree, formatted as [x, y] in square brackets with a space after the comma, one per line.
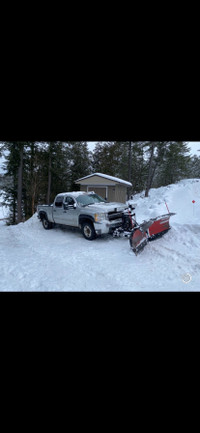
[139, 167]
[155, 152]
[80, 162]
[150, 168]
[20, 184]
[101, 158]
[2, 148]
[53, 167]
[37, 172]
[13, 187]
[194, 167]
[121, 159]
[107, 158]
[31, 189]
[20, 180]
[175, 164]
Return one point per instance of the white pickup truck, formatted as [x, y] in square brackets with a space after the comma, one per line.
[88, 211]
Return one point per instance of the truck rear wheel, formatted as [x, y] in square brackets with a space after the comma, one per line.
[88, 231]
[46, 224]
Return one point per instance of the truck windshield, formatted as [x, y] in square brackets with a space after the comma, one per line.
[87, 199]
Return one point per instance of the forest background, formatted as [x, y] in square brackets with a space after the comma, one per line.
[34, 172]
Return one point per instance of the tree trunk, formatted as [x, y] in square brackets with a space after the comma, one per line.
[129, 162]
[148, 185]
[34, 161]
[152, 175]
[49, 180]
[19, 187]
[129, 167]
[14, 203]
[33, 196]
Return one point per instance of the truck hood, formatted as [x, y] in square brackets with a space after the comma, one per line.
[107, 207]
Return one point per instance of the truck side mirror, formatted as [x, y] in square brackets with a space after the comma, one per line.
[69, 206]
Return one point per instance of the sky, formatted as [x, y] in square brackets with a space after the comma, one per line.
[195, 147]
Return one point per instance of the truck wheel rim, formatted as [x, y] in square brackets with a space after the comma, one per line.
[87, 231]
[45, 223]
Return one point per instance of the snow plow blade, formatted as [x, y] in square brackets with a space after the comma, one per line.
[138, 240]
[160, 225]
[149, 230]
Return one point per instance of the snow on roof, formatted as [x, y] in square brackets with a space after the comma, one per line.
[106, 176]
[74, 193]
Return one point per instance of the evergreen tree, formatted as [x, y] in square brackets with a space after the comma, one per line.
[121, 159]
[102, 162]
[155, 152]
[139, 167]
[37, 172]
[13, 187]
[20, 183]
[194, 167]
[53, 170]
[31, 189]
[110, 158]
[2, 146]
[175, 164]
[80, 162]
[150, 168]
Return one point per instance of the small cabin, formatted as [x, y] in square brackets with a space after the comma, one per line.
[109, 187]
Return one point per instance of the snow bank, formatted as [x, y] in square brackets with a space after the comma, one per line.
[178, 198]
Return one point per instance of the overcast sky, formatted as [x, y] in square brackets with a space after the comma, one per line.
[194, 146]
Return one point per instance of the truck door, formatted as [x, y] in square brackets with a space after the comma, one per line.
[71, 212]
[58, 210]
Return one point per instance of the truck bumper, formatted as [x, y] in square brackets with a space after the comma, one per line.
[106, 227]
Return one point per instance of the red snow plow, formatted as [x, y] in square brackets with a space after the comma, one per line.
[140, 234]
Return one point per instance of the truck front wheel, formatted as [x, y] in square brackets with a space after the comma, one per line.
[88, 231]
[46, 224]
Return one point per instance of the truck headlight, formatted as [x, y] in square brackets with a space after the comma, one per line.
[99, 217]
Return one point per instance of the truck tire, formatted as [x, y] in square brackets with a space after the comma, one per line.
[88, 231]
[46, 224]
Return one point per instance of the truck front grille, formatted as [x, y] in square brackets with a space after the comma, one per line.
[114, 215]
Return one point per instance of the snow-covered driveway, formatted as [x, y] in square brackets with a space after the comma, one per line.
[33, 259]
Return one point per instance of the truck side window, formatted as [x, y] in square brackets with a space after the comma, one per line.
[69, 201]
[59, 201]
